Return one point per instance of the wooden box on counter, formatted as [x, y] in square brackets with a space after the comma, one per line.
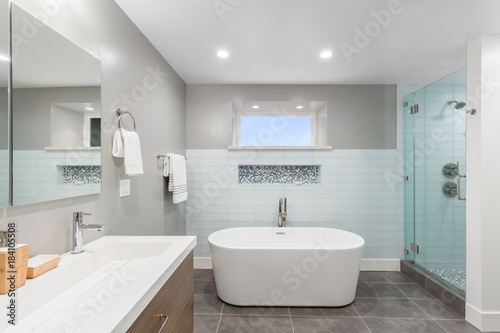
[20, 267]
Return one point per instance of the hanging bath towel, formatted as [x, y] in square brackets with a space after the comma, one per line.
[127, 145]
[177, 180]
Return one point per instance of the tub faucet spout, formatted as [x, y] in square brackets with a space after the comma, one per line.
[282, 213]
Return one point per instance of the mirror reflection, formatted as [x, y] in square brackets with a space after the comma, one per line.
[56, 112]
[4, 72]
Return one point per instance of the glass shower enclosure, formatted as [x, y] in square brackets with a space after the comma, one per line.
[435, 148]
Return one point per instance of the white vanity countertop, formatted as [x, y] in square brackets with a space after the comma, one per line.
[126, 273]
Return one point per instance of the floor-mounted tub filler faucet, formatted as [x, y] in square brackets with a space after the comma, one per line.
[78, 228]
[282, 213]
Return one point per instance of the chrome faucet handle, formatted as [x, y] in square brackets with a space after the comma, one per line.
[98, 227]
[80, 213]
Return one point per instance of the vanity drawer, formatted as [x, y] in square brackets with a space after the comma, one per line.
[170, 300]
[185, 321]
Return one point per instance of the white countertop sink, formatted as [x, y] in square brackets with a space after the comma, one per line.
[103, 289]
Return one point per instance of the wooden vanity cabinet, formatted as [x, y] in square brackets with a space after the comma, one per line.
[175, 300]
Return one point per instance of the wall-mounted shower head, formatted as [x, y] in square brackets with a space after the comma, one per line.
[458, 105]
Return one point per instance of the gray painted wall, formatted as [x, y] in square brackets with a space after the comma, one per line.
[158, 105]
[359, 116]
[33, 117]
[66, 127]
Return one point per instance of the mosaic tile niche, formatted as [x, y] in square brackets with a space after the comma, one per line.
[80, 174]
[278, 174]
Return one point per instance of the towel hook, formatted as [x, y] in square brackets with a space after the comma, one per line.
[120, 113]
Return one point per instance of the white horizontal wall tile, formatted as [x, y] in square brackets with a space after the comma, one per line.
[353, 194]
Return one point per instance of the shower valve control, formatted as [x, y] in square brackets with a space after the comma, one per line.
[450, 189]
[450, 170]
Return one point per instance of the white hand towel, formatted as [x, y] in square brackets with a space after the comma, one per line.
[126, 144]
[166, 166]
[177, 181]
[117, 150]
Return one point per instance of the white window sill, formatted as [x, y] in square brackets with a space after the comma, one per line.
[72, 148]
[280, 148]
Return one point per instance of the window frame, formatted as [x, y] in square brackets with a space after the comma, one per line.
[277, 114]
[86, 127]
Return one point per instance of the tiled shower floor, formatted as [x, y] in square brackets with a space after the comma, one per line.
[386, 302]
[456, 276]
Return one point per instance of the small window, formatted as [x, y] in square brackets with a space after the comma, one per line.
[277, 124]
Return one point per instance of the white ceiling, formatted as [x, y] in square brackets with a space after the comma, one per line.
[80, 107]
[284, 106]
[279, 41]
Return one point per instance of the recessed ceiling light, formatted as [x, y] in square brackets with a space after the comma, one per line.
[326, 54]
[299, 107]
[222, 54]
[90, 109]
[255, 107]
[4, 58]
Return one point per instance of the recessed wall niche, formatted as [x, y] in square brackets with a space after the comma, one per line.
[278, 174]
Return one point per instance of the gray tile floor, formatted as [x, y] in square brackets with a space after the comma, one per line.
[386, 302]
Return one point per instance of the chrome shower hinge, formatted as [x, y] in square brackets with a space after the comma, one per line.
[415, 248]
[414, 109]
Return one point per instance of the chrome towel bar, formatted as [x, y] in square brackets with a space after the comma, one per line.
[158, 156]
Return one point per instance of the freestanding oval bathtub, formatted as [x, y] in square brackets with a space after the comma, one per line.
[286, 266]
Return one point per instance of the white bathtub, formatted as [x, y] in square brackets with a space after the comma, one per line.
[286, 266]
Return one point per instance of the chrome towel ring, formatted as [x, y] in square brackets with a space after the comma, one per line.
[120, 113]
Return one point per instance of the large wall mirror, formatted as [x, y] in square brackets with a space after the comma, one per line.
[4, 75]
[56, 114]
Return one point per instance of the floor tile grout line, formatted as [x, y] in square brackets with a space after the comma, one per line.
[294, 316]
[364, 322]
[385, 277]
[429, 316]
[220, 318]
[253, 315]
[367, 297]
[440, 326]
[291, 321]
[402, 291]
[311, 316]
[203, 280]
[427, 298]
[401, 318]
[378, 282]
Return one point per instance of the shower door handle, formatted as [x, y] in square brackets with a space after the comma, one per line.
[458, 186]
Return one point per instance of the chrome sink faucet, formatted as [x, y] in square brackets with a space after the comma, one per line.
[78, 228]
[282, 213]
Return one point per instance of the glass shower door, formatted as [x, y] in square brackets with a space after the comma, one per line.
[438, 153]
[409, 178]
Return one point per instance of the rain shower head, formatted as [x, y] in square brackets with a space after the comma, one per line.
[459, 105]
